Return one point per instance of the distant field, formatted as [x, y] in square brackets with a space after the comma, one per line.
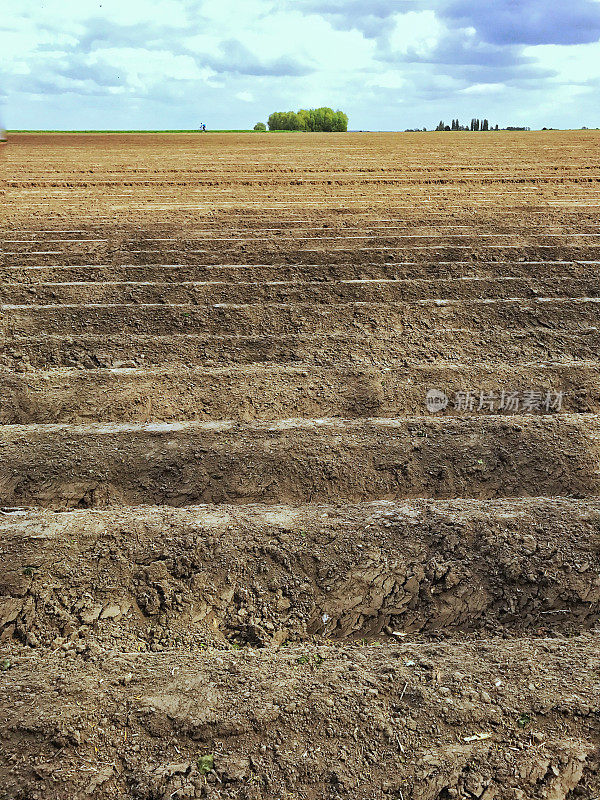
[175, 130]
[191, 130]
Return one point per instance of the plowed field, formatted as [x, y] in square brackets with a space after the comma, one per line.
[244, 555]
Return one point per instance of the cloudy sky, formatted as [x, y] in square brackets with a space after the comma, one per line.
[390, 64]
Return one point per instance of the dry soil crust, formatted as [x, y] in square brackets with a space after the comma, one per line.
[284, 391]
[177, 464]
[508, 720]
[250, 576]
[275, 319]
[389, 349]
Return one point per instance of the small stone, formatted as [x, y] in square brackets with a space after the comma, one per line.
[529, 545]
[111, 612]
[91, 614]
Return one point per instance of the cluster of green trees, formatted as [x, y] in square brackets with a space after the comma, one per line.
[309, 119]
[476, 125]
[284, 121]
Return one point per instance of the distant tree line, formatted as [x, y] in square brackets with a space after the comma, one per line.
[309, 119]
[476, 125]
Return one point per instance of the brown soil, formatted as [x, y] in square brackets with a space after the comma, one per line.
[241, 559]
[433, 721]
[278, 390]
[251, 575]
[294, 460]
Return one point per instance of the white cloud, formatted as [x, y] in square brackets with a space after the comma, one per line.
[573, 63]
[139, 65]
[391, 79]
[390, 64]
[416, 31]
[484, 88]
